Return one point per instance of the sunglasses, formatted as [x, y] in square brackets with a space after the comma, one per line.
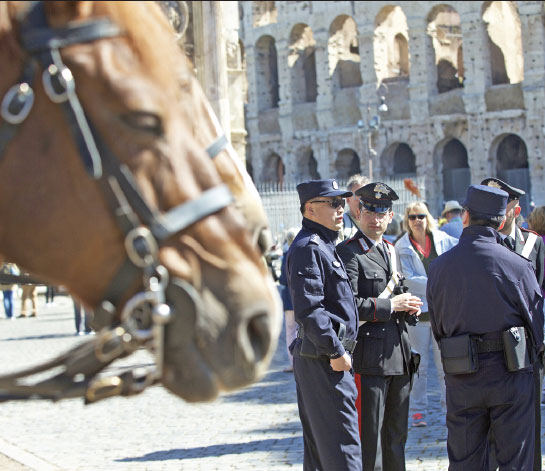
[414, 217]
[334, 203]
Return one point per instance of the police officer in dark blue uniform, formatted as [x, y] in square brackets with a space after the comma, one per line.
[486, 312]
[382, 359]
[530, 245]
[325, 311]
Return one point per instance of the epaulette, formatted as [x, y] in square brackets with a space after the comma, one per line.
[314, 239]
[523, 229]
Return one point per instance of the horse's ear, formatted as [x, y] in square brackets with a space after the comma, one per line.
[60, 13]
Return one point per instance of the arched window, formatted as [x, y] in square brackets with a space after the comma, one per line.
[512, 166]
[456, 173]
[274, 169]
[400, 63]
[267, 73]
[505, 42]
[343, 52]
[302, 64]
[404, 161]
[306, 166]
[347, 164]
[390, 44]
[445, 34]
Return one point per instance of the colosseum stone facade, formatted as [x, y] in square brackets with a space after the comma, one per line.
[463, 83]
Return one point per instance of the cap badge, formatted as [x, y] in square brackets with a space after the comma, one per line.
[380, 190]
[494, 184]
[335, 185]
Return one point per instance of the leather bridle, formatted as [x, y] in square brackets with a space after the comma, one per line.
[144, 315]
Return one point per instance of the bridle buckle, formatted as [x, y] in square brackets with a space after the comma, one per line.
[17, 103]
[58, 83]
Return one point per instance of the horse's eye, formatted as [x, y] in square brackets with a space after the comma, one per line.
[144, 121]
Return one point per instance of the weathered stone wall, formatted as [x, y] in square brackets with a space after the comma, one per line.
[447, 99]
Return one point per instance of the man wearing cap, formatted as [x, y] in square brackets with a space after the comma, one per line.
[480, 296]
[382, 357]
[327, 318]
[530, 245]
[453, 214]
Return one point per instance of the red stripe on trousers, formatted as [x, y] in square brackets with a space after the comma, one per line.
[357, 378]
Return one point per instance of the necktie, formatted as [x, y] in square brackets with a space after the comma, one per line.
[509, 242]
[384, 252]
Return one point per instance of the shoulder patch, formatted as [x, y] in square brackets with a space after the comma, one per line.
[314, 239]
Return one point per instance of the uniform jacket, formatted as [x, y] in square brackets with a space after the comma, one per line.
[319, 287]
[537, 254]
[412, 266]
[480, 286]
[383, 342]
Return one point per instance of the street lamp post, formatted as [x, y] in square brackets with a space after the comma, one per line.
[370, 127]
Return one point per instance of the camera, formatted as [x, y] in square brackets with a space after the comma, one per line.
[400, 288]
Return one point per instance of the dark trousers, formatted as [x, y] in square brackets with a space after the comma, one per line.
[538, 386]
[49, 294]
[384, 408]
[490, 399]
[77, 317]
[8, 302]
[327, 409]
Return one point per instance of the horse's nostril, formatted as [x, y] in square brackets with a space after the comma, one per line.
[259, 335]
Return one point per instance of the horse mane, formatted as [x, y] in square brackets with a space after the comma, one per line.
[144, 24]
[8, 40]
[145, 27]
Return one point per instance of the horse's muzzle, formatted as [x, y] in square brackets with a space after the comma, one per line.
[197, 367]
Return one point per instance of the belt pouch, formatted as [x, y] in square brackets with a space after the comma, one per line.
[308, 350]
[459, 355]
[515, 349]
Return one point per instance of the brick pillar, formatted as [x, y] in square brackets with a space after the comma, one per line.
[421, 62]
[324, 98]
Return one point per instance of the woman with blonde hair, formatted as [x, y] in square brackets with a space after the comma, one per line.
[419, 246]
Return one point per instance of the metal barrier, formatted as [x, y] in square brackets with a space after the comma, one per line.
[281, 202]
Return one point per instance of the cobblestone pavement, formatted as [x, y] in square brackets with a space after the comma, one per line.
[252, 429]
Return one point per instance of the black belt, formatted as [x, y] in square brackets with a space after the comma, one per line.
[485, 346]
[348, 344]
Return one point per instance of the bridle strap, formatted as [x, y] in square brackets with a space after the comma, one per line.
[142, 226]
[217, 146]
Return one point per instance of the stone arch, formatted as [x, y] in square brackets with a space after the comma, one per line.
[306, 166]
[455, 169]
[445, 33]
[266, 64]
[391, 43]
[510, 155]
[398, 160]
[264, 13]
[274, 169]
[502, 22]
[302, 64]
[343, 53]
[347, 163]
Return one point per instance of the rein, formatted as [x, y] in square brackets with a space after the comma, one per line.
[144, 316]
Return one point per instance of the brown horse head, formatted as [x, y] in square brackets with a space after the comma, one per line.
[225, 321]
